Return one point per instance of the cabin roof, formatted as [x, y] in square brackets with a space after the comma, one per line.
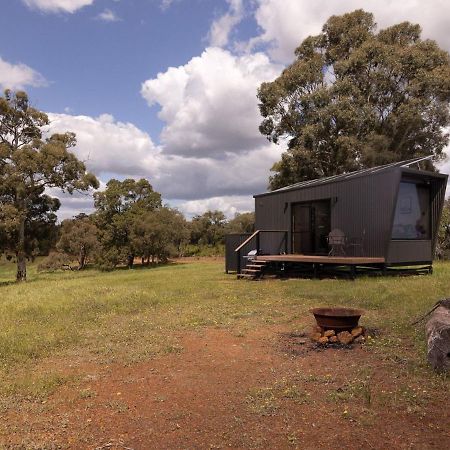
[358, 173]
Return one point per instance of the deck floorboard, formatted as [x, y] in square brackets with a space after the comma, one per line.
[342, 260]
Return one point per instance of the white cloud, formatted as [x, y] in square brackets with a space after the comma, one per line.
[165, 4]
[229, 205]
[108, 16]
[105, 144]
[221, 28]
[115, 149]
[209, 105]
[286, 23]
[17, 76]
[52, 6]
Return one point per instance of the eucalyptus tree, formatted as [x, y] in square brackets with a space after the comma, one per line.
[159, 234]
[355, 97]
[29, 165]
[79, 239]
[116, 210]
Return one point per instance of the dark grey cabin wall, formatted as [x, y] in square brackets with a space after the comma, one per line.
[233, 241]
[364, 203]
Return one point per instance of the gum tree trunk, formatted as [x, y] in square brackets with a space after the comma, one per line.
[82, 258]
[130, 261]
[21, 274]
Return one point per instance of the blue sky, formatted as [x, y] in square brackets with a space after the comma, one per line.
[166, 89]
[96, 66]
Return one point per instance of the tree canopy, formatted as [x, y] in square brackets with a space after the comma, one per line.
[355, 98]
[117, 209]
[30, 164]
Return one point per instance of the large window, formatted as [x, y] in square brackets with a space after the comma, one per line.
[412, 214]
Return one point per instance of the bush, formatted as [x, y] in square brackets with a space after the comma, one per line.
[55, 261]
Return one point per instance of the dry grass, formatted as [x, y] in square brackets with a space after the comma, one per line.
[128, 315]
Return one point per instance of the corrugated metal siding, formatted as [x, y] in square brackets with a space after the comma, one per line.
[272, 243]
[438, 188]
[232, 241]
[359, 205]
[409, 251]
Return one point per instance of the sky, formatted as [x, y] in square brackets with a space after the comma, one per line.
[166, 89]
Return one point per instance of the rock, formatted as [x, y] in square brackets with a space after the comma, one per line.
[345, 337]
[329, 333]
[358, 331]
[359, 340]
[318, 329]
[333, 339]
[315, 336]
[323, 340]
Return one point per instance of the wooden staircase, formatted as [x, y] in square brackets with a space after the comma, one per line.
[253, 270]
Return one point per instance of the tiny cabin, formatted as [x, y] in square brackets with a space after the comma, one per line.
[381, 217]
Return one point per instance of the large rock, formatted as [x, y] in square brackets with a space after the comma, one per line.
[315, 336]
[345, 337]
[358, 331]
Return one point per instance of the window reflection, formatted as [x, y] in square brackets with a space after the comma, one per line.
[412, 214]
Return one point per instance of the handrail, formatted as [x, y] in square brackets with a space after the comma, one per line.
[247, 240]
[256, 233]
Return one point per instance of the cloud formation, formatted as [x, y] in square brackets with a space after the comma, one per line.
[17, 76]
[285, 24]
[120, 150]
[107, 146]
[209, 105]
[221, 28]
[108, 16]
[54, 6]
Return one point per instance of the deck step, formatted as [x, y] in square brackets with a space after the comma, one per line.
[253, 270]
[247, 276]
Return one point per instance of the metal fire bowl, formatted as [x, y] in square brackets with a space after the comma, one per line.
[337, 318]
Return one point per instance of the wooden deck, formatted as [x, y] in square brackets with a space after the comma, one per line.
[339, 260]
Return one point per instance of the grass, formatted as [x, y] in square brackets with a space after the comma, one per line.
[127, 315]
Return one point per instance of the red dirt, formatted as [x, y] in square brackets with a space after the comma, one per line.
[199, 398]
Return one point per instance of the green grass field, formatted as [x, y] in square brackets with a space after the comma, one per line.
[127, 315]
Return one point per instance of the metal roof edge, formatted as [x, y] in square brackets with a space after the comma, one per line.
[327, 181]
[377, 170]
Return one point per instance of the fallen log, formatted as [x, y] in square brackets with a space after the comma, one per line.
[437, 331]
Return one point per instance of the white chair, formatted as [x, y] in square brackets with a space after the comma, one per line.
[336, 240]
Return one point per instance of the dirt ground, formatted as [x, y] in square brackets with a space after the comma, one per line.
[265, 389]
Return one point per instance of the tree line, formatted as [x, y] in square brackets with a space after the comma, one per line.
[130, 223]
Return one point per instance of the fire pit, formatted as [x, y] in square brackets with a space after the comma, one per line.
[337, 318]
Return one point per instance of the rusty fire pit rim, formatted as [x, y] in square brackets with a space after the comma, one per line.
[333, 311]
